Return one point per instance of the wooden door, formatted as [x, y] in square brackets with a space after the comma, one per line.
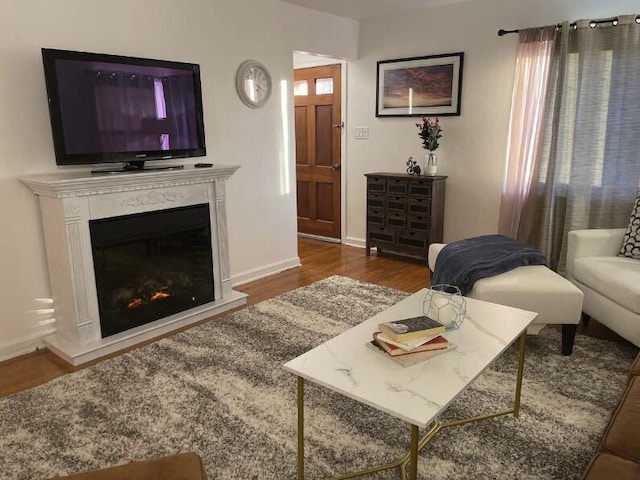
[318, 128]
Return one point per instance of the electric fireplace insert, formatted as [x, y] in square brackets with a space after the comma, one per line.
[151, 265]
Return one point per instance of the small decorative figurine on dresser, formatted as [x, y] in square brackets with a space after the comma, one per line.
[412, 167]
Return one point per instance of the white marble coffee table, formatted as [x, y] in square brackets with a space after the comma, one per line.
[417, 394]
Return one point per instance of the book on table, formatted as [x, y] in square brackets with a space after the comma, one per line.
[410, 359]
[407, 329]
[405, 345]
[397, 348]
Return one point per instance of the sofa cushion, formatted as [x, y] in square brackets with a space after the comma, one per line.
[617, 278]
[535, 288]
[631, 241]
[608, 467]
[621, 436]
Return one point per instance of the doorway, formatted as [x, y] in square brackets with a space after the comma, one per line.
[318, 129]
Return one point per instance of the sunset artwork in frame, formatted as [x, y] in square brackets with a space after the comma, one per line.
[419, 86]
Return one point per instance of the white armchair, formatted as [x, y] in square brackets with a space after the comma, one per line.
[610, 284]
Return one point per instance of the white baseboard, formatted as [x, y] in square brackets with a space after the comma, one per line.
[23, 345]
[319, 237]
[258, 273]
[355, 242]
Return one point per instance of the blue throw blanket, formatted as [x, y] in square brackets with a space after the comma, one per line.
[463, 262]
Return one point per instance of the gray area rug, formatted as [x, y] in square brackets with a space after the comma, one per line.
[220, 390]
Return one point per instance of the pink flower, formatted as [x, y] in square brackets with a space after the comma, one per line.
[430, 132]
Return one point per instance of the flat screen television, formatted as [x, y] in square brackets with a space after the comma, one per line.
[110, 108]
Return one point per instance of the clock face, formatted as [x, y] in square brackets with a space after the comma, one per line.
[253, 83]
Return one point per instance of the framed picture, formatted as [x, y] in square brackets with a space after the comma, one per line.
[419, 86]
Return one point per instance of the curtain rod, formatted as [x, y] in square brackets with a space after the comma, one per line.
[592, 24]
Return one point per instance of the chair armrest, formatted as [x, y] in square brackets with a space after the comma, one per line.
[600, 242]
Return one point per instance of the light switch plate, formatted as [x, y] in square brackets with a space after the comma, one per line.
[361, 133]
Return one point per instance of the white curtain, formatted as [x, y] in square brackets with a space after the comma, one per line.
[533, 62]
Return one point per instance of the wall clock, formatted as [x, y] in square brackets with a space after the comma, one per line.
[253, 83]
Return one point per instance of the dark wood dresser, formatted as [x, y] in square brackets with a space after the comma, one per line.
[405, 213]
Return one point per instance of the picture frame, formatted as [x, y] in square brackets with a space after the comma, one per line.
[420, 86]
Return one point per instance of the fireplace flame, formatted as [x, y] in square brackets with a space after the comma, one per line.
[159, 295]
[151, 297]
[136, 302]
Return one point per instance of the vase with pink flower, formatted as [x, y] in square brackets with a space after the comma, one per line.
[430, 132]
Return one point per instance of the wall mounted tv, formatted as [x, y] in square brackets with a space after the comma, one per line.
[109, 108]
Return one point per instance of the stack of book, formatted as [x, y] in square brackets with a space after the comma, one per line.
[410, 340]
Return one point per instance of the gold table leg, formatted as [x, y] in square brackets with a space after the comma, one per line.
[300, 428]
[413, 462]
[523, 347]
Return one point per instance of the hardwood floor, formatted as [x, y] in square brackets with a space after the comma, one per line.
[322, 259]
[319, 260]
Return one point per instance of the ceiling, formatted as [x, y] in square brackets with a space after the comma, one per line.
[361, 9]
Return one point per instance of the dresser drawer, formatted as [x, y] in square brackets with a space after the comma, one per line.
[420, 206]
[419, 240]
[375, 216]
[396, 219]
[375, 200]
[396, 204]
[397, 186]
[421, 188]
[419, 222]
[376, 184]
[381, 235]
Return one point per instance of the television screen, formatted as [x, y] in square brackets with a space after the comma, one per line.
[108, 108]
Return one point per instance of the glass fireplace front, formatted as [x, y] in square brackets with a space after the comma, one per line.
[151, 265]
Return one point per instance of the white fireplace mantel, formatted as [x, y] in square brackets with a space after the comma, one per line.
[68, 201]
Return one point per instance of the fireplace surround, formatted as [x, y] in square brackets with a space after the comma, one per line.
[160, 216]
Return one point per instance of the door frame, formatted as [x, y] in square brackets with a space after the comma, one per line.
[318, 62]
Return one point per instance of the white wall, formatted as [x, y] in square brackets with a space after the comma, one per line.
[473, 147]
[217, 34]
[318, 33]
